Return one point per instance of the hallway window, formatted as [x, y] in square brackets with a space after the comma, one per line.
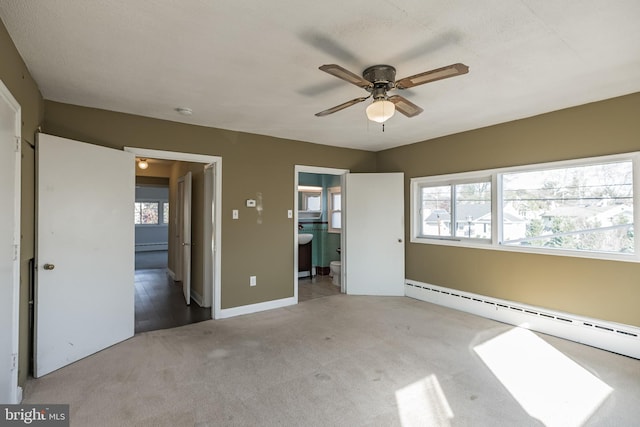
[165, 212]
[146, 213]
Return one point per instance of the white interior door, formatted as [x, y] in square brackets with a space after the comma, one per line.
[84, 257]
[374, 234]
[184, 193]
[9, 244]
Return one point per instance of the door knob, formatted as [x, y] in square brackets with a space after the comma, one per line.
[399, 240]
[49, 266]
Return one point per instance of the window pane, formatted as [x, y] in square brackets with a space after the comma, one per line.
[473, 210]
[336, 220]
[436, 210]
[336, 201]
[580, 208]
[314, 203]
[136, 213]
[165, 213]
[149, 213]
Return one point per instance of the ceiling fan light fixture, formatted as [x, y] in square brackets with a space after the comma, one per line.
[380, 110]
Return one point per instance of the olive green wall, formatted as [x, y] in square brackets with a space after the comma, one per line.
[15, 76]
[605, 290]
[252, 165]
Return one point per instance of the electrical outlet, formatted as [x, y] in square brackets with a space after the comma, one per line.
[252, 280]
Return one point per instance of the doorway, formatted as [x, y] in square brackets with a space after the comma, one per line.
[159, 300]
[318, 217]
[206, 234]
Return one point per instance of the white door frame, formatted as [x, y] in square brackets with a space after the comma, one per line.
[321, 171]
[184, 232]
[14, 392]
[212, 198]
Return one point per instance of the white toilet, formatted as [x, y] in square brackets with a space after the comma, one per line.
[335, 267]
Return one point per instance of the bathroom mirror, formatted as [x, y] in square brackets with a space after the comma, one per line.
[309, 201]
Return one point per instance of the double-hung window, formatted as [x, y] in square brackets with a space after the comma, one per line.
[335, 209]
[583, 207]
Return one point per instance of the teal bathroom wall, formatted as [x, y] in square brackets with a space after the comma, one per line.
[324, 244]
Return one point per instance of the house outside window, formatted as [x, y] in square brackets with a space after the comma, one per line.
[468, 203]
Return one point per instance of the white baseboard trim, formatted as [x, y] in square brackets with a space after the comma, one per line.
[610, 336]
[19, 395]
[171, 274]
[254, 308]
[197, 298]
[150, 247]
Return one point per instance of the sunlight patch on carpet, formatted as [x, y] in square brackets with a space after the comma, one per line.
[423, 403]
[547, 384]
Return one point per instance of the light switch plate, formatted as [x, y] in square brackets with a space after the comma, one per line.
[234, 214]
[289, 213]
[251, 203]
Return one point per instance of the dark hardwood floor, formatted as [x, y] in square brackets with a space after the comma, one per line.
[160, 302]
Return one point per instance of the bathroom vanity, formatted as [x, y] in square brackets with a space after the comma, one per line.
[304, 258]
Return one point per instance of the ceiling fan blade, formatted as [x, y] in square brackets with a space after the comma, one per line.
[433, 75]
[341, 106]
[346, 75]
[405, 106]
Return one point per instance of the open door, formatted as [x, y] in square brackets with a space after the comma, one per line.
[84, 299]
[10, 146]
[184, 229]
[374, 234]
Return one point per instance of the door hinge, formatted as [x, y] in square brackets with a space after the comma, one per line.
[15, 252]
[17, 144]
[14, 361]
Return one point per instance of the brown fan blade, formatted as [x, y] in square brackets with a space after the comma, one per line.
[341, 106]
[346, 75]
[433, 75]
[406, 107]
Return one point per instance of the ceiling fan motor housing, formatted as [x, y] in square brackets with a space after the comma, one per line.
[383, 78]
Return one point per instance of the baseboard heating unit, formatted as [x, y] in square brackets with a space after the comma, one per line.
[615, 337]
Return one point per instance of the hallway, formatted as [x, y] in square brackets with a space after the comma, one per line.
[159, 300]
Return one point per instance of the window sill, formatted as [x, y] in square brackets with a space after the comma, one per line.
[466, 243]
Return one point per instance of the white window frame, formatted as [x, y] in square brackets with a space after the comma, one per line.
[452, 181]
[161, 218]
[331, 209]
[496, 208]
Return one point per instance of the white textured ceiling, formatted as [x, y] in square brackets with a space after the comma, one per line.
[252, 66]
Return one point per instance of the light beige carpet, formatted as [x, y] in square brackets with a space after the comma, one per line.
[338, 361]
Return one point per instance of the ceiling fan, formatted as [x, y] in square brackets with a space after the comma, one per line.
[378, 80]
